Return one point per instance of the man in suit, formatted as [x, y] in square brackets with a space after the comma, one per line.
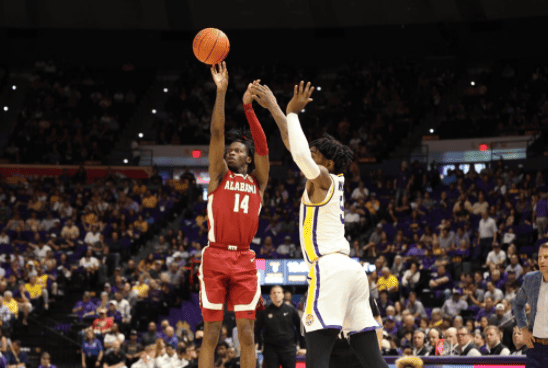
[534, 329]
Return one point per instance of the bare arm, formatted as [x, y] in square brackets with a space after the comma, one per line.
[217, 163]
[264, 97]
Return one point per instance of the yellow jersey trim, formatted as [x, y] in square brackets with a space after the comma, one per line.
[327, 199]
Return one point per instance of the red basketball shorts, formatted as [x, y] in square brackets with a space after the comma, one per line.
[231, 277]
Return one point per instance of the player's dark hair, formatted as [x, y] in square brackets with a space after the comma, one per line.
[243, 136]
[334, 150]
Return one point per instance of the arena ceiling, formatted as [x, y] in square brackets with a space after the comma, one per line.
[252, 14]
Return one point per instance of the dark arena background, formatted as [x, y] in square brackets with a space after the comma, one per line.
[104, 132]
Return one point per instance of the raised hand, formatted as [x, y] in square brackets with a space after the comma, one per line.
[263, 95]
[301, 97]
[247, 99]
[220, 76]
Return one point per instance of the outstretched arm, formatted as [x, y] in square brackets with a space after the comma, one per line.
[318, 175]
[261, 158]
[264, 96]
[217, 163]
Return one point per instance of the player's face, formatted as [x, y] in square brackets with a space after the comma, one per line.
[236, 157]
[319, 158]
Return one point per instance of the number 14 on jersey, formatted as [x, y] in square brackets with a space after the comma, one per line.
[244, 204]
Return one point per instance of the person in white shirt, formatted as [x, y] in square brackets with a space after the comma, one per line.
[147, 358]
[514, 265]
[495, 257]
[123, 307]
[492, 292]
[49, 222]
[40, 249]
[113, 335]
[4, 238]
[185, 354]
[465, 345]
[352, 220]
[493, 339]
[519, 342]
[167, 359]
[92, 236]
[360, 192]
[287, 248]
[91, 266]
[487, 233]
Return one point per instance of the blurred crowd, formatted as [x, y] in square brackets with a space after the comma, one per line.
[507, 99]
[72, 114]
[359, 103]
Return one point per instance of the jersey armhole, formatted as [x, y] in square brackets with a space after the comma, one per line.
[328, 196]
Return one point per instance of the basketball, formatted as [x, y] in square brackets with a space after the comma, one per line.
[211, 46]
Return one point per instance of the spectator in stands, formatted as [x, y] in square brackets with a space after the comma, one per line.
[388, 282]
[415, 306]
[112, 336]
[45, 361]
[488, 310]
[540, 214]
[132, 348]
[85, 307]
[92, 236]
[49, 222]
[141, 289]
[90, 266]
[455, 305]
[407, 327]
[102, 324]
[162, 246]
[496, 257]
[186, 356]
[446, 238]
[146, 358]
[465, 346]
[35, 292]
[70, 231]
[170, 338]
[442, 282]
[492, 292]
[6, 316]
[149, 201]
[141, 225]
[514, 266]
[420, 348]
[16, 358]
[12, 305]
[115, 358]
[436, 318]
[151, 336]
[519, 342]
[433, 338]
[487, 234]
[113, 313]
[500, 318]
[493, 338]
[122, 305]
[451, 341]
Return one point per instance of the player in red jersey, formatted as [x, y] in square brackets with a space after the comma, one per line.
[228, 272]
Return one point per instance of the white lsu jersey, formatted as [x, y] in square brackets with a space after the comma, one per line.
[321, 225]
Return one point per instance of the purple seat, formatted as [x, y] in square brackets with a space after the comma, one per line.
[390, 230]
[6, 248]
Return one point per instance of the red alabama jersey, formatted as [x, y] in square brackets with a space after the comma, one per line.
[233, 210]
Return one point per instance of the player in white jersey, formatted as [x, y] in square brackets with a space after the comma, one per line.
[338, 292]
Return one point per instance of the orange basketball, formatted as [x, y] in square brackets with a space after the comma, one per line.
[211, 46]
